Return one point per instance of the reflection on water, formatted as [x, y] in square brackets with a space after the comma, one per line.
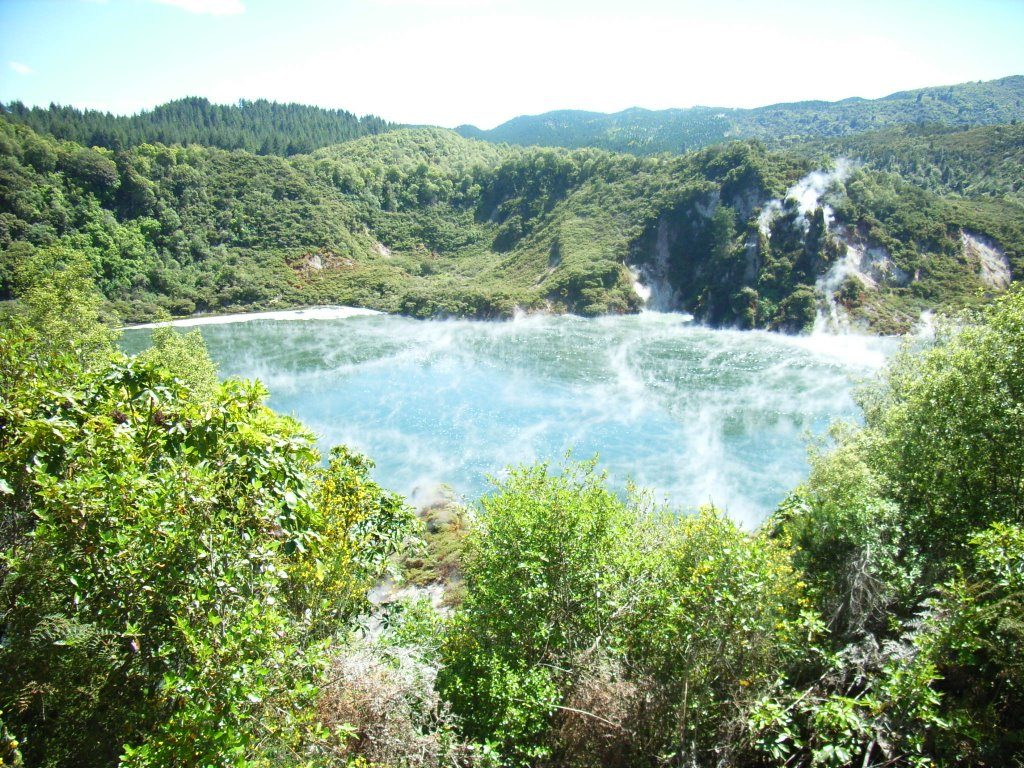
[694, 414]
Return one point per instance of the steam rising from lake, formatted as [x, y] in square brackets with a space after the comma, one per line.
[694, 414]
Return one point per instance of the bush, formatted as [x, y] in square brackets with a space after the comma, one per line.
[947, 432]
[596, 632]
[174, 555]
[909, 532]
[716, 616]
[540, 580]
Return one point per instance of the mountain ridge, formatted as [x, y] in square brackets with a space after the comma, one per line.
[641, 131]
[275, 128]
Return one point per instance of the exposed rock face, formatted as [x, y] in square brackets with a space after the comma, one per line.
[871, 263]
[871, 266]
[993, 266]
[650, 279]
[737, 257]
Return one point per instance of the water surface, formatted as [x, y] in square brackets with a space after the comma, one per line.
[696, 415]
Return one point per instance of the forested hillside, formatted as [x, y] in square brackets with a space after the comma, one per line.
[262, 127]
[646, 132]
[427, 223]
[985, 161]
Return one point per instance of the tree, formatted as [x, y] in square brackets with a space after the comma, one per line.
[540, 581]
[58, 299]
[175, 557]
[946, 430]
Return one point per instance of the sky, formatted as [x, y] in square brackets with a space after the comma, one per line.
[449, 62]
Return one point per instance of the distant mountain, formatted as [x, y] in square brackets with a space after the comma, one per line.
[646, 132]
[262, 127]
[270, 128]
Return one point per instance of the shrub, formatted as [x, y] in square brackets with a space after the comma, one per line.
[382, 704]
[174, 555]
[597, 632]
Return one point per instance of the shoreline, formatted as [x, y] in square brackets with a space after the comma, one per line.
[316, 312]
[852, 347]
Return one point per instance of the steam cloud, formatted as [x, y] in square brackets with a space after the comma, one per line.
[807, 193]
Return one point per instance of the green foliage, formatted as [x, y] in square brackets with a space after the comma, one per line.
[175, 556]
[980, 637]
[428, 224]
[909, 533]
[887, 716]
[946, 428]
[563, 579]
[184, 356]
[539, 581]
[848, 540]
[715, 615]
[57, 298]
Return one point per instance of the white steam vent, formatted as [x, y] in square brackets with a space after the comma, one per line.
[807, 194]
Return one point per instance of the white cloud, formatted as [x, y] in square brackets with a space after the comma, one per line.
[211, 7]
[21, 69]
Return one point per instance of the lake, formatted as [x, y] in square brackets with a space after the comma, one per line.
[696, 415]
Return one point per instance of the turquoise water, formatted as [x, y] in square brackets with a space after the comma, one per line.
[695, 415]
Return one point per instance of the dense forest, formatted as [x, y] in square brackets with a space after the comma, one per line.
[424, 222]
[262, 127]
[647, 132]
[183, 577]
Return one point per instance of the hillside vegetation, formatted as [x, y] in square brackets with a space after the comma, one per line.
[424, 222]
[647, 132]
[984, 161]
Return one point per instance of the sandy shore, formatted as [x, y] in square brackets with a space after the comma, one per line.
[310, 313]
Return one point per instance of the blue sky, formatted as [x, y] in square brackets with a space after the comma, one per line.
[448, 62]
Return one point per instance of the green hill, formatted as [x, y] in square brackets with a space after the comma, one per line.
[645, 132]
[424, 222]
